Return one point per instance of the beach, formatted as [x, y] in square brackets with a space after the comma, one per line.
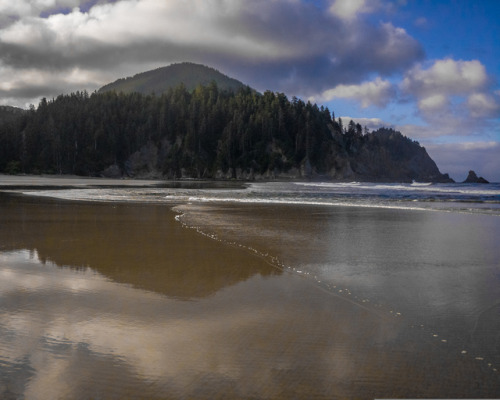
[184, 299]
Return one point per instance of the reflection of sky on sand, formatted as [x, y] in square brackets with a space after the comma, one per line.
[152, 337]
[130, 325]
[77, 334]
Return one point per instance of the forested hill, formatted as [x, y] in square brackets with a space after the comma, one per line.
[9, 114]
[158, 81]
[206, 133]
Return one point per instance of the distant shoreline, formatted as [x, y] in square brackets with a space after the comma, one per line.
[13, 182]
[66, 181]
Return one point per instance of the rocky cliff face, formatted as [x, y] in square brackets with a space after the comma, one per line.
[389, 156]
[382, 156]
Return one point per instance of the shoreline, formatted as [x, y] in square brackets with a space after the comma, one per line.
[64, 180]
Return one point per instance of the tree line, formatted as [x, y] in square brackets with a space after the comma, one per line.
[195, 133]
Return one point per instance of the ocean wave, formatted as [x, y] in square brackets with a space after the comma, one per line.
[470, 189]
[420, 184]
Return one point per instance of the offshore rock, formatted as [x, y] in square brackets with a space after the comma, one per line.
[473, 178]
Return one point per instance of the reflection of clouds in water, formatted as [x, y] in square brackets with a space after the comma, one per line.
[48, 385]
[37, 276]
[78, 334]
[120, 326]
[81, 315]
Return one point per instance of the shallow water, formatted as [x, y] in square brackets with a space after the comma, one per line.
[433, 270]
[117, 300]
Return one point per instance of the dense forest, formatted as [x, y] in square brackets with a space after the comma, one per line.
[203, 133]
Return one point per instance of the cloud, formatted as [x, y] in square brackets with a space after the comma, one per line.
[446, 77]
[291, 46]
[452, 92]
[377, 92]
[349, 9]
[370, 123]
[421, 22]
[21, 8]
[12, 11]
[434, 102]
[483, 105]
[27, 88]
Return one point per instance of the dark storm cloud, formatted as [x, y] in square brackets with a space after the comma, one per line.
[280, 45]
[347, 61]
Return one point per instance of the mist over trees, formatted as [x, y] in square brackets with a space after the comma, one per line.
[203, 133]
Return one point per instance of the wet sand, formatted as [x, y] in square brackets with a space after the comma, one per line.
[17, 181]
[108, 300]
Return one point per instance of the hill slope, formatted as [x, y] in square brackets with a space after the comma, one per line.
[160, 80]
[9, 114]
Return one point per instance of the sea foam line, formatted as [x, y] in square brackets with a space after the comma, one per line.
[341, 293]
[303, 202]
[413, 187]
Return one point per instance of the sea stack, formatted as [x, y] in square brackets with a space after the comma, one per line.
[473, 178]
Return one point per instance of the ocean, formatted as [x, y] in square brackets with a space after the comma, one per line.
[251, 290]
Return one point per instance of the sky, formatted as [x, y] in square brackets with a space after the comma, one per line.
[430, 69]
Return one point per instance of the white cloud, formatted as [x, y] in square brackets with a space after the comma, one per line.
[445, 77]
[378, 92]
[20, 8]
[348, 9]
[433, 102]
[191, 23]
[371, 123]
[449, 91]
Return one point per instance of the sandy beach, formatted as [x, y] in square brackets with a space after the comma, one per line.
[121, 300]
[68, 181]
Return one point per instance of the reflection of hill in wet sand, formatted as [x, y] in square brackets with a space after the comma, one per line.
[138, 245]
